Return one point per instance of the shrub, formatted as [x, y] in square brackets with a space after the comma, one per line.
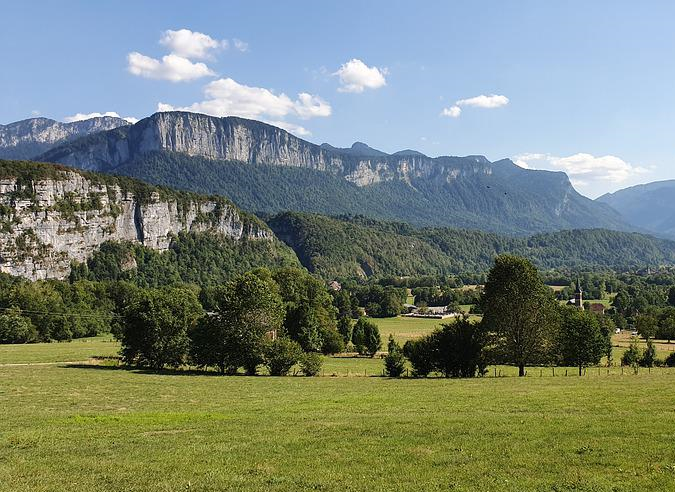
[394, 362]
[648, 358]
[632, 356]
[15, 328]
[332, 341]
[280, 355]
[670, 360]
[419, 353]
[310, 363]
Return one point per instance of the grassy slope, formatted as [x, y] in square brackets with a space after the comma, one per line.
[103, 429]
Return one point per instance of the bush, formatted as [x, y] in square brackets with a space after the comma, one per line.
[394, 362]
[648, 358]
[419, 353]
[15, 328]
[670, 360]
[632, 356]
[332, 341]
[311, 363]
[282, 354]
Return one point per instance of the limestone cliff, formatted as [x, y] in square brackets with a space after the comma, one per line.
[28, 138]
[51, 216]
[252, 142]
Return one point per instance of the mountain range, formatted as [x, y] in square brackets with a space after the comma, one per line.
[265, 169]
[57, 222]
[28, 138]
[648, 206]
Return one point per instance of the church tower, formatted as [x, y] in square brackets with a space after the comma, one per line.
[579, 296]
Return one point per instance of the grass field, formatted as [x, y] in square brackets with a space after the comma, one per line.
[78, 350]
[77, 428]
[405, 329]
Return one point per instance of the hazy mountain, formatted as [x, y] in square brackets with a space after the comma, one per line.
[264, 168]
[28, 138]
[649, 206]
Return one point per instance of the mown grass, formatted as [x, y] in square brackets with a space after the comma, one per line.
[77, 350]
[71, 429]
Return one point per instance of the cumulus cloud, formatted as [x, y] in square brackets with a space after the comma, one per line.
[185, 46]
[356, 76]
[483, 101]
[191, 44]
[486, 102]
[171, 67]
[452, 112]
[593, 175]
[88, 116]
[227, 97]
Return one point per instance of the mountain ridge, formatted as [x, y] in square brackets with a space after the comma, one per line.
[446, 190]
[28, 138]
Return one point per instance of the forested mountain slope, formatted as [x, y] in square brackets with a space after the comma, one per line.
[265, 169]
[348, 247]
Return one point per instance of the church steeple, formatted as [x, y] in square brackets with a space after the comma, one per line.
[579, 296]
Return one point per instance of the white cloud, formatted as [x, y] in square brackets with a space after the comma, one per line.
[593, 175]
[172, 67]
[227, 97]
[240, 45]
[486, 102]
[356, 76]
[452, 112]
[191, 44]
[88, 116]
[309, 106]
[483, 101]
[36, 112]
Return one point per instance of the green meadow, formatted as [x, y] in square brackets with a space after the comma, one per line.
[103, 428]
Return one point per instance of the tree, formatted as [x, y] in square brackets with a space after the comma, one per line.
[15, 328]
[156, 325]
[519, 311]
[331, 341]
[345, 327]
[309, 307]
[646, 326]
[359, 336]
[282, 354]
[420, 353]
[372, 340]
[671, 296]
[666, 328]
[648, 358]
[247, 310]
[458, 349]
[394, 362]
[582, 341]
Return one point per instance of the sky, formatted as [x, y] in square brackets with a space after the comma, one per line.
[575, 86]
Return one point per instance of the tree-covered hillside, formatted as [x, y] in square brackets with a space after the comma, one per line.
[347, 247]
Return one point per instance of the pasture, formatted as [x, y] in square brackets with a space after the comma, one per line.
[100, 427]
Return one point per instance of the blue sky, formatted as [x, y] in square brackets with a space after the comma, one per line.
[584, 87]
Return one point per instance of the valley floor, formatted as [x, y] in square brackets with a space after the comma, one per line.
[97, 427]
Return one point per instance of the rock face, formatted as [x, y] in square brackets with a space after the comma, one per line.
[28, 138]
[469, 192]
[253, 142]
[51, 221]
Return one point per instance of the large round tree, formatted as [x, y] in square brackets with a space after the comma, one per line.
[519, 312]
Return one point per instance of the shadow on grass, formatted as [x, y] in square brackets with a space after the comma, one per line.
[146, 370]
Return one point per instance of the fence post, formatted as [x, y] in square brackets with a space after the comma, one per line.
[495, 371]
[553, 371]
[541, 372]
[565, 372]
